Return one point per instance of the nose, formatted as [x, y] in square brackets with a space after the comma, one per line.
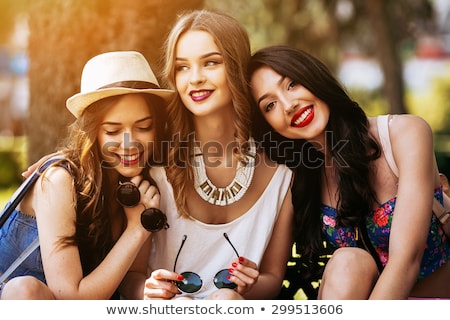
[197, 76]
[129, 140]
[290, 106]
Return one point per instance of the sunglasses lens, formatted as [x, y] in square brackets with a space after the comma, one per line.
[128, 194]
[191, 283]
[221, 280]
[153, 219]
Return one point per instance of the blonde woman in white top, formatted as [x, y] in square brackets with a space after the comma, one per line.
[228, 206]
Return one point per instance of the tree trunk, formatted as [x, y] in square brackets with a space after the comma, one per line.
[388, 55]
[64, 34]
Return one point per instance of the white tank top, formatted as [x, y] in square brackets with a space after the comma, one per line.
[206, 251]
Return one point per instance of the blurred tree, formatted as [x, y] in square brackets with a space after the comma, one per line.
[388, 54]
[9, 9]
[329, 28]
[64, 34]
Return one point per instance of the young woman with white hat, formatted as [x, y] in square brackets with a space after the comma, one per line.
[93, 243]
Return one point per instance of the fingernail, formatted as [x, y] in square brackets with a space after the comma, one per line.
[231, 270]
[241, 259]
[234, 264]
[180, 278]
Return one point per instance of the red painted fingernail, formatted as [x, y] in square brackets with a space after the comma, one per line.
[241, 259]
[234, 264]
[229, 277]
[180, 278]
[231, 270]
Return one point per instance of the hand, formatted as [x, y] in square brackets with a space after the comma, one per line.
[149, 199]
[161, 285]
[36, 165]
[244, 273]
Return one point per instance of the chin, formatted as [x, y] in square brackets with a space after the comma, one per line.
[129, 172]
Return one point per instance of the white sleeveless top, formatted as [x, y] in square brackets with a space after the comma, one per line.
[206, 251]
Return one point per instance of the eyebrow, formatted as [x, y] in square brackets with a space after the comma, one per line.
[279, 82]
[112, 123]
[206, 55]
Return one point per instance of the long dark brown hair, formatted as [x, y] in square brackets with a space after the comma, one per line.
[347, 123]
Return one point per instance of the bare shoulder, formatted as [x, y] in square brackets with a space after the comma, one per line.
[411, 137]
[55, 177]
[408, 124]
[55, 183]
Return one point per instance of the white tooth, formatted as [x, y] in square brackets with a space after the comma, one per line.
[199, 93]
[303, 116]
[130, 158]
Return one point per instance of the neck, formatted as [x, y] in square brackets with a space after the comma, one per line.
[224, 195]
[218, 128]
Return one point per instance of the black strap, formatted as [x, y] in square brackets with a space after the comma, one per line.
[23, 189]
[365, 243]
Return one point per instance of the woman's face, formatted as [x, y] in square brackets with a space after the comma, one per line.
[126, 134]
[291, 109]
[200, 74]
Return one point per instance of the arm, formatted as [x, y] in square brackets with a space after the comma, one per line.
[273, 264]
[132, 286]
[412, 146]
[53, 202]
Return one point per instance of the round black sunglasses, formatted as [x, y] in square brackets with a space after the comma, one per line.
[152, 219]
[192, 281]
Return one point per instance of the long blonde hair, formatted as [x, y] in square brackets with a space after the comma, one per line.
[233, 42]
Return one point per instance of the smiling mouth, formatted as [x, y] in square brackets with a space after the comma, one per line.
[129, 159]
[303, 117]
[200, 95]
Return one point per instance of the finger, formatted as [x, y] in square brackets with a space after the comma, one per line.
[161, 284]
[144, 186]
[160, 288]
[163, 274]
[246, 262]
[157, 294]
[248, 275]
[33, 167]
[136, 180]
[151, 197]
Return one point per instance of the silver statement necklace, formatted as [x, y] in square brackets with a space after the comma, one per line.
[231, 193]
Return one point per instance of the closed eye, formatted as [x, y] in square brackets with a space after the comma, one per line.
[146, 128]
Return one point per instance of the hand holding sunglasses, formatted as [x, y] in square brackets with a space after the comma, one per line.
[152, 219]
[192, 282]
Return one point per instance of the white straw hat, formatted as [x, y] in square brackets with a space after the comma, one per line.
[115, 73]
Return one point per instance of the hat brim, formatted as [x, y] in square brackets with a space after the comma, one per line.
[80, 101]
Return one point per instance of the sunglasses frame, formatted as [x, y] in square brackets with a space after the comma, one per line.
[128, 196]
[219, 280]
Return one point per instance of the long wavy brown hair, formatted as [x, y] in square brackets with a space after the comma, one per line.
[94, 199]
[233, 42]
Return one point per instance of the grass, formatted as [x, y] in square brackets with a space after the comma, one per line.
[5, 194]
[15, 145]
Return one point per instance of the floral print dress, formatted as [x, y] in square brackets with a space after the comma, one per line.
[378, 224]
